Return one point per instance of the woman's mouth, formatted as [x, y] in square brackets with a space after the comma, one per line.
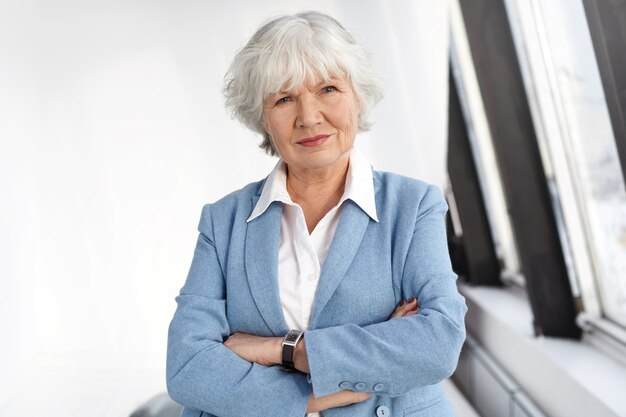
[313, 141]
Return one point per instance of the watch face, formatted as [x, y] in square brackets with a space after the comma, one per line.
[292, 337]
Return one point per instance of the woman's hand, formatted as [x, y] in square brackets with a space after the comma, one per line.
[406, 308]
[267, 351]
[262, 350]
[338, 399]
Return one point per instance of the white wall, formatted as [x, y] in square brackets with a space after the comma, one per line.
[113, 135]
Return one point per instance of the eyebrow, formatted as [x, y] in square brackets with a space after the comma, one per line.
[321, 83]
[329, 81]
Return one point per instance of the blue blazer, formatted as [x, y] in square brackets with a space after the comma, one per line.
[371, 266]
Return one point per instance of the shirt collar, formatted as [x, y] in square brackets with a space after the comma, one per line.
[359, 187]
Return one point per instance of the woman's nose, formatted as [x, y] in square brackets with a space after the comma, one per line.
[309, 112]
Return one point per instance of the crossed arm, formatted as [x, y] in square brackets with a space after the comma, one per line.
[267, 351]
[206, 373]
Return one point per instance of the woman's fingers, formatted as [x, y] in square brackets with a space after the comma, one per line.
[406, 308]
[338, 399]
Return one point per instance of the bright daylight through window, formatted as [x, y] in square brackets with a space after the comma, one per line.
[578, 146]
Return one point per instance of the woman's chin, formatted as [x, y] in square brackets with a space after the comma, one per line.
[320, 162]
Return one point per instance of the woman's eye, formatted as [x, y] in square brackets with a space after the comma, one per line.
[283, 100]
[329, 89]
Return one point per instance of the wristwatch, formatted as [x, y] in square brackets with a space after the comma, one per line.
[290, 341]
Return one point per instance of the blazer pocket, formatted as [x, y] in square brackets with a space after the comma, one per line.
[439, 407]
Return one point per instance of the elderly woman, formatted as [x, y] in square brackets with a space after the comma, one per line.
[302, 294]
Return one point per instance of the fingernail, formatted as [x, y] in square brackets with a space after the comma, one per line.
[412, 300]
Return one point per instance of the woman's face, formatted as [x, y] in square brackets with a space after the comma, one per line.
[313, 126]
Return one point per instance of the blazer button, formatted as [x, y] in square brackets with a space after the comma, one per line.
[379, 387]
[360, 386]
[382, 411]
[345, 385]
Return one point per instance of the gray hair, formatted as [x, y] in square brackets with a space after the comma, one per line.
[286, 52]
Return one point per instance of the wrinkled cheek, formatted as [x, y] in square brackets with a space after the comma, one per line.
[351, 126]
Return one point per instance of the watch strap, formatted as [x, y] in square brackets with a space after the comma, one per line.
[290, 342]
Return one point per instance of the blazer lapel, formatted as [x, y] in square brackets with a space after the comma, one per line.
[261, 260]
[345, 244]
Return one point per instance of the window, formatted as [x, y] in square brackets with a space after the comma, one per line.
[577, 146]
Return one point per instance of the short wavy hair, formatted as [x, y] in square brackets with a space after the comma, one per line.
[288, 51]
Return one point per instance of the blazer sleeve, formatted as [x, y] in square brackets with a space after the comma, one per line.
[398, 355]
[204, 374]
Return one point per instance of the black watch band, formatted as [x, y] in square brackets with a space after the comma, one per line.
[290, 341]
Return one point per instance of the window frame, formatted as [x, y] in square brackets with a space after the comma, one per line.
[529, 202]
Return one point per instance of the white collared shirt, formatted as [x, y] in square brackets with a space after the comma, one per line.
[300, 255]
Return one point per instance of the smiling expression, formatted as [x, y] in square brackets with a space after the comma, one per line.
[313, 126]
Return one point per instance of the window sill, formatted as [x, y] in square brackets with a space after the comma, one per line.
[563, 377]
